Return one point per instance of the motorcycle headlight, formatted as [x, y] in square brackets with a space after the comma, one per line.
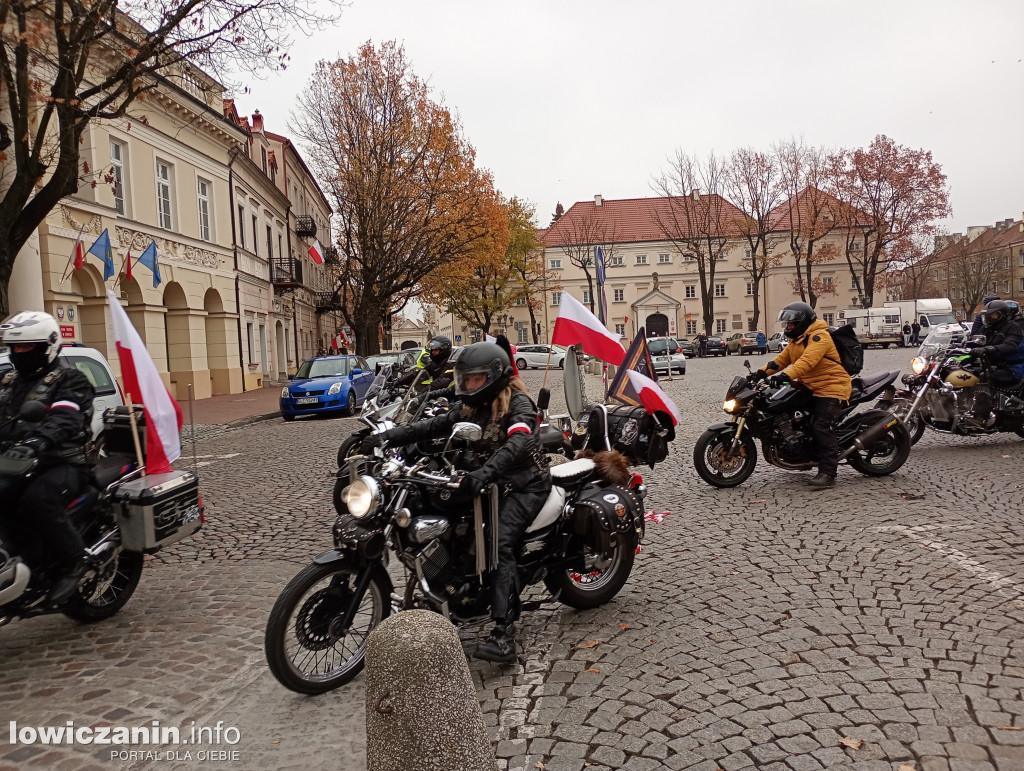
[362, 498]
[729, 405]
[334, 389]
[284, 393]
[918, 364]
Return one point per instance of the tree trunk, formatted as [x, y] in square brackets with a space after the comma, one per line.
[590, 287]
[533, 325]
[367, 335]
[6, 268]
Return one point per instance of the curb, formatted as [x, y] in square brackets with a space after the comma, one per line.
[252, 419]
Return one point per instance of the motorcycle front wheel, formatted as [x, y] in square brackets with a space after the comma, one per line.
[887, 454]
[601, 579]
[915, 425]
[104, 594]
[307, 649]
[718, 465]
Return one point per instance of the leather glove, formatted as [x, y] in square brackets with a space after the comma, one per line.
[757, 376]
[778, 379]
[26, 450]
[470, 484]
[371, 443]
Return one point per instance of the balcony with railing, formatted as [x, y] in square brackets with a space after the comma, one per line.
[305, 226]
[331, 256]
[285, 273]
[327, 302]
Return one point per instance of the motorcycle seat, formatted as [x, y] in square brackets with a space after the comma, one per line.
[862, 383]
[552, 508]
[572, 472]
[109, 470]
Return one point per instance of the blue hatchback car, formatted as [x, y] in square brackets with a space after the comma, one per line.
[326, 384]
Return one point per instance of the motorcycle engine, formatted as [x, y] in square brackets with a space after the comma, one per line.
[793, 447]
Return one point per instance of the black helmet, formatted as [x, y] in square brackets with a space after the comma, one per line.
[1014, 309]
[486, 359]
[800, 315]
[440, 347]
[995, 311]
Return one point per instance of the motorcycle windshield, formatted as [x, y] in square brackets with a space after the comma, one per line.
[940, 339]
[378, 382]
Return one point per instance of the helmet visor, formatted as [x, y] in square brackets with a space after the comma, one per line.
[787, 315]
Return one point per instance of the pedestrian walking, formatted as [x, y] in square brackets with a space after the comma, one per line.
[907, 333]
[702, 345]
[915, 336]
[762, 343]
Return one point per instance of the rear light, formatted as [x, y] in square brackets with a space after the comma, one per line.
[636, 479]
[202, 510]
[679, 349]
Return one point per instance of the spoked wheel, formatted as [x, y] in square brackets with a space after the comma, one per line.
[886, 455]
[104, 594]
[308, 648]
[601, 578]
[721, 466]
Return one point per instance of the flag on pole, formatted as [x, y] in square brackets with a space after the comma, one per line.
[128, 266]
[143, 383]
[316, 252]
[638, 358]
[79, 255]
[102, 250]
[148, 258]
[652, 397]
[602, 303]
[576, 325]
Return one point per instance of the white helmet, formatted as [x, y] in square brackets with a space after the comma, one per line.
[32, 327]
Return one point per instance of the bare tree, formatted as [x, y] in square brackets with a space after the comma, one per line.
[69, 62]
[753, 184]
[581, 234]
[696, 219]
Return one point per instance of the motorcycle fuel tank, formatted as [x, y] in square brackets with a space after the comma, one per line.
[961, 378]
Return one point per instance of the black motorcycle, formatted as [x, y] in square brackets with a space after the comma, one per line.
[122, 515]
[875, 442]
[581, 546]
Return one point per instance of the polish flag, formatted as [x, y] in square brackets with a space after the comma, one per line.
[79, 255]
[578, 326]
[652, 396]
[143, 383]
[316, 252]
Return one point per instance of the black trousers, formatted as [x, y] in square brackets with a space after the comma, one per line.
[32, 513]
[823, 430]
[515, 513]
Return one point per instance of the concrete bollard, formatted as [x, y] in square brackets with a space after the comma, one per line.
[422, 712]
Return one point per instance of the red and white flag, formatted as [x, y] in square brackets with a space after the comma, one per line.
[578, 326]
[652, 396]
[316, 252]
[79, 255]
[143, 383]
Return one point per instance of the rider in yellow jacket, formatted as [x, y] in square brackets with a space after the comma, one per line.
[811, 358]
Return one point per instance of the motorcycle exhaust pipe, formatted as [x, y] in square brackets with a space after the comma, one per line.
[868, 437]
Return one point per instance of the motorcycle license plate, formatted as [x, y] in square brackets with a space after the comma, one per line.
[307, 400]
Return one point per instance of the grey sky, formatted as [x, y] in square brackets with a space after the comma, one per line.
[565, 99]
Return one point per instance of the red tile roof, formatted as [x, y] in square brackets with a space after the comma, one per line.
[800, 208]
[631, 220]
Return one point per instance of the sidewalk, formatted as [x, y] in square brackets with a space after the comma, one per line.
[251, 406]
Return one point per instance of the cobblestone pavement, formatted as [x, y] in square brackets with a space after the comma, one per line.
[878, 625]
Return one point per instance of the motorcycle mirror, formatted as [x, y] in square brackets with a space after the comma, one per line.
[746, 363]
[32, 411]
[467, 431]
[543, 399]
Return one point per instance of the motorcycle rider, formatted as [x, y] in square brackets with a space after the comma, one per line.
[978, 327]
[1004, 333]
[434, 359]
[35, 506]
[811, 357]
[499, 403]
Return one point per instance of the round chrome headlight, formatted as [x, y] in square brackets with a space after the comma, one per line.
[918, 364]
[729, 405]
[362, 498]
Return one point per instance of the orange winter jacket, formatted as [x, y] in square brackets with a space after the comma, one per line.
[813, 359]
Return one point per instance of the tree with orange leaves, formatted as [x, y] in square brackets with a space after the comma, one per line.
[409, 198]
[892, 195]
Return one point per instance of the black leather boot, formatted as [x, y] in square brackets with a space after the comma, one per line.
[500, 646]
[65, 586]
[822, 481]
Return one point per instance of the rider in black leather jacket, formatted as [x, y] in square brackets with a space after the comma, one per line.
[499, 404]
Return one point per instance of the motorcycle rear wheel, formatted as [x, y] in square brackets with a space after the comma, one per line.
[715, 465]
[886, 455]
[600, 581]
[304, 650]
[108, 592]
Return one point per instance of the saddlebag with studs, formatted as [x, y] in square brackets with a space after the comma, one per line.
[601, 515]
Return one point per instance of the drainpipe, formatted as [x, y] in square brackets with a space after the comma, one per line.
[233, 152]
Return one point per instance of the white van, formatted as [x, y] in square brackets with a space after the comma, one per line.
[94, 366]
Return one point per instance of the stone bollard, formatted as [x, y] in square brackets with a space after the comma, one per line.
[422, 712]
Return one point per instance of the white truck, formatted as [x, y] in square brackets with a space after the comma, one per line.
[878, 327]
[928, 313]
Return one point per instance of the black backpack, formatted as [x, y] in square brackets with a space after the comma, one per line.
[851, 353]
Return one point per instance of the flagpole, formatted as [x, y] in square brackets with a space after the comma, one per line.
[124, 262]
[548, 365]
[135, 433]
[71, 256]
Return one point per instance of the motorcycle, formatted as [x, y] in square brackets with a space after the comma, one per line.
[874, 442]
[581, 546]
[943, 388]
[122, 515]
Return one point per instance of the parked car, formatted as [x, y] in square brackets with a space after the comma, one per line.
[742, 342]
[531, 356]
[94, 366]
[399, 359]
[777, 342]
[716, 347]
[689, 347]
[667, 354]
[327, 384]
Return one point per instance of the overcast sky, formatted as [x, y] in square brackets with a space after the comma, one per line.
[564, 99]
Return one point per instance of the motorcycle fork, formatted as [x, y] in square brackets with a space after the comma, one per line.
[921, 392]
[741, 422]
[358, 592]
